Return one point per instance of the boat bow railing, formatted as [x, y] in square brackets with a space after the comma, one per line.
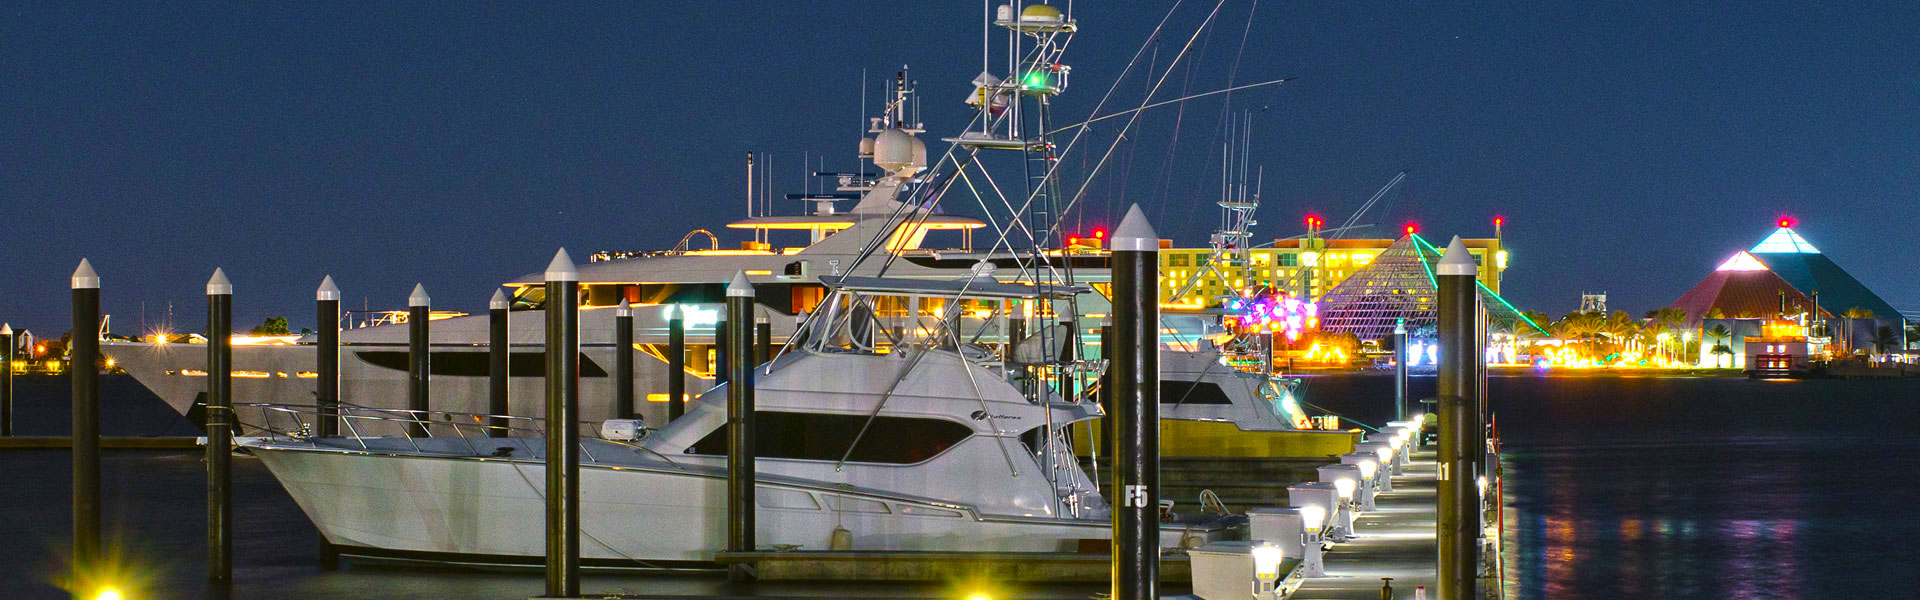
[362, 424]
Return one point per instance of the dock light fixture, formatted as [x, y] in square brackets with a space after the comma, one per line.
[1346, 487]
[1313, 519]
[1266, 571]
[107, 593]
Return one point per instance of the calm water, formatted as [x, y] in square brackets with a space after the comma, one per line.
[1648, 488]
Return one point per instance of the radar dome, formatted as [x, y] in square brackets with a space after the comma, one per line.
[895, 149]
[1040, 12]
[866, 147]
[919, 155]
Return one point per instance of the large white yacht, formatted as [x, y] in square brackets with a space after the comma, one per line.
[895, 220]
[931, 443]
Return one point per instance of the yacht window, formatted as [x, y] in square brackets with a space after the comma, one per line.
[818, 436]
[1191, 392]
[475, 364]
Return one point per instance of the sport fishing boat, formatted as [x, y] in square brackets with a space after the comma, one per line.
[895, 211]
[931, 442]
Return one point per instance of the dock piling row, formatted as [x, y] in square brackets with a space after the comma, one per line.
[740, 424]
[1135, 409]
[563, 427]
[220, 420]
[85, 354]
[326, 384]
[498, 369]
[6, 380]
[1458, 506]
[623, 360]
[419, 358]
[676, 364]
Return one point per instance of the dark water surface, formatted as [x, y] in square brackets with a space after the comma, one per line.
[1651, 488]
[1618, 487]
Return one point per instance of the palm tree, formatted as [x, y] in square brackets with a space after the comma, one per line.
[1719, 333]
[1884, 336]
[1859, 313]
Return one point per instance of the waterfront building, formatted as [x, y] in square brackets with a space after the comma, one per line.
[1784, 298]
[1301, 267]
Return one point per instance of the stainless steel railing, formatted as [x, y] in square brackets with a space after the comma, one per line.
[364, 423]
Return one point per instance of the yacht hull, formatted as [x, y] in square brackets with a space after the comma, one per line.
[493, 510]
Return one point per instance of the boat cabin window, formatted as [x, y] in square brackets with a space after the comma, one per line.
[1192, 392]
[818, 436]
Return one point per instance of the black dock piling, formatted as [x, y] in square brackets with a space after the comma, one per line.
[85, 354]
[740, 427]
[1458, 510]
[1134, 368]
[220, 421]
[623, 361]
[497, 367]
[1400, 357]
[6, 379]
[419, 358]
[721, 362]
[763, 332]
[676, 363]
[563, 427]
[326, 383]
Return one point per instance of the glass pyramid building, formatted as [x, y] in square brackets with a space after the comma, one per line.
[1799, 263]
[1399, 284]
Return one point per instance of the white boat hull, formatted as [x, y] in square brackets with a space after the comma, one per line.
[468, 507]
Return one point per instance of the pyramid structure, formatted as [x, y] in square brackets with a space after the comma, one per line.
[1740, 286]
[1399, 284]
[1797, 262]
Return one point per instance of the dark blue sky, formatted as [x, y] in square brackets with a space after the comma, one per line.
[1631, 147]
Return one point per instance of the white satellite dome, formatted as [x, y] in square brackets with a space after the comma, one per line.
[919, 155]
[896, 150]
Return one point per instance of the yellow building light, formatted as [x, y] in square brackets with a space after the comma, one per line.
[1309, 258]
[1500, 260]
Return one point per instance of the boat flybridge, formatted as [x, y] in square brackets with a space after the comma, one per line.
[879, 428]
[892, 217]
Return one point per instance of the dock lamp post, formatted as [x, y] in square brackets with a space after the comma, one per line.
[1369, 470]
[741, 431]
[1346, 482]
[1266, 571]
[1383, 456]
[1313, 520]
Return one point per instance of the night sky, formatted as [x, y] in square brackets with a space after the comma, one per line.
[1631, 148]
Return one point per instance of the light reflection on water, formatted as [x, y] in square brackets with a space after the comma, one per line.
[1652, 488]
[1644, 488]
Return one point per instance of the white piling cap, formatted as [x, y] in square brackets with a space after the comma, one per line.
[219, 285]
[419, 296]
[1135, 234]
[1457, 260]
[740, 287]
[327, 291]
[624, 309]
[84, 278]
[561, 269]
[6, 329]
[499, 301]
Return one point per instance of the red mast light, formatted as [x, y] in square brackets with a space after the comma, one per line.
[1411, 228]
[1786, 222]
